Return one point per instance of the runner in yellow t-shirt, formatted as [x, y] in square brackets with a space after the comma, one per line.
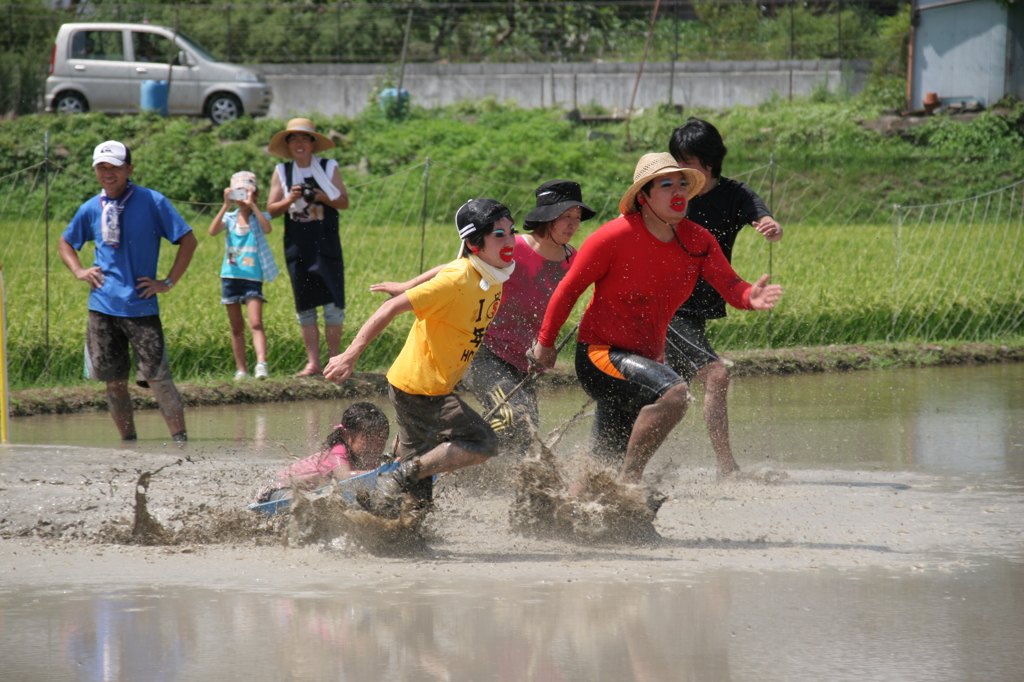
[437, 431]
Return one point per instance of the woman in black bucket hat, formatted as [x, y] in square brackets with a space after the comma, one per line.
[542, 257]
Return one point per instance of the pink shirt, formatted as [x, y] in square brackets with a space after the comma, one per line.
[524, 299]
[314, 471]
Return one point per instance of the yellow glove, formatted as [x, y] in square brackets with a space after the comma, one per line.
[505, 416]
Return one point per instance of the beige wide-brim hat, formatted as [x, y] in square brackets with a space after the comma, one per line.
[279, 143]
[651, 166]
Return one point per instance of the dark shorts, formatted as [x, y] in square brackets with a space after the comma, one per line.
[425, 421]
[234, 290]
[687, 350]
[107, 339]
[491, 379]
[622, 383]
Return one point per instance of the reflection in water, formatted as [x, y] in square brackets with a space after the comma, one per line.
[830, 625]
[127, 638]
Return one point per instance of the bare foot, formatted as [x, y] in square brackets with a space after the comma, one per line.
[310, 371]
[729, 474]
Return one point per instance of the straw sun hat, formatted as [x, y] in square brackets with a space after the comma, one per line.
[651, 166]
[279, 143]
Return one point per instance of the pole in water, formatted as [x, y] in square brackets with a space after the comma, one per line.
[46, 255]
[4, 437]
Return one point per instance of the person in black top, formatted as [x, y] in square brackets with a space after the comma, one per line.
[723, 207]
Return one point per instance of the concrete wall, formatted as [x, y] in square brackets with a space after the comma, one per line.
[344, 88]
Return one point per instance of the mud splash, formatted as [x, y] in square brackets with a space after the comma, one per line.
[310, 522]
[327, 518]
[602, 511]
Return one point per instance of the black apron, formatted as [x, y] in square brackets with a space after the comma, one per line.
[312, 250]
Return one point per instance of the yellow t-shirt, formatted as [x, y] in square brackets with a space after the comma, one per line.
[452, 314]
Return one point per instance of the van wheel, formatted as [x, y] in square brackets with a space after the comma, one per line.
[223, 107]
[70, 103]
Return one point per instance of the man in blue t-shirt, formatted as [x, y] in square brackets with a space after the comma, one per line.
[126, 222]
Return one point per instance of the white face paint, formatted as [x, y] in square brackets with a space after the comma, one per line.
[499, 245]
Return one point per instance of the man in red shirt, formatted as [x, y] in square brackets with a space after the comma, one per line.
[643, 266]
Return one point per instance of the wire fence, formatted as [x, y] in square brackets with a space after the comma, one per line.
[855, 270]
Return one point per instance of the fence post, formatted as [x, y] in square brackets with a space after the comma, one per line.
[771, 209]
[46, 243]
[897, 235]
[337, 37]
[792, 44]
[227, 37]
[675, 56]
[423, 211]
[839, 32]
[4, 395]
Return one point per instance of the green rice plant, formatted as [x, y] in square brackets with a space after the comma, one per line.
[855, 267]
[849, 284]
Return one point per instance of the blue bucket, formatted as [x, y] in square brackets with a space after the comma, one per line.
[153, 96]
[394, 102]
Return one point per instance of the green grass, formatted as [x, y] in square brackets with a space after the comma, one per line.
[855, 269]
[842, 286]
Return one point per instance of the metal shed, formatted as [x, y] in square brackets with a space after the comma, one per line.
[966, 50]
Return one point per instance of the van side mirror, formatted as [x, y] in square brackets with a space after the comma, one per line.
[183, 59]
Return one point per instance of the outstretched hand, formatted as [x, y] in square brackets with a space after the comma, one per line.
[767, 227]
[764, 295]
[389, 288]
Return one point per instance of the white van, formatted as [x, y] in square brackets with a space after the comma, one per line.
[101, 66]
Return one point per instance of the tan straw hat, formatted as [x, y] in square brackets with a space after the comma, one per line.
[279, 143]
[651, 166]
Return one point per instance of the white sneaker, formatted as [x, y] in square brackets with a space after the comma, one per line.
[261, 370]
[241, 376]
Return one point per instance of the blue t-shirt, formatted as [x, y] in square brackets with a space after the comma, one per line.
[241, 252]
[147, 217]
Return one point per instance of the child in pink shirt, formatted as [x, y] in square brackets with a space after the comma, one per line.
[352, 448]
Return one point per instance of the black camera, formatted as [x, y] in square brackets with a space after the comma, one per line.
[308, 192]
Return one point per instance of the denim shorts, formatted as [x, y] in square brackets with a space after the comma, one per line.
[239, 290]
[333, 316]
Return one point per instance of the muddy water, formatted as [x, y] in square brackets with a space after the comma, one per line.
[892, 550]
[956, 419]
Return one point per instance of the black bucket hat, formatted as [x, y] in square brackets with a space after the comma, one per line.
[554, 198]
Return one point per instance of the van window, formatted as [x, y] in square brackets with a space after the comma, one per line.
[151, 47]
[196, 47]
[106, 45]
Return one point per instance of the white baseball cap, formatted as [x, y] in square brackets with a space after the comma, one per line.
[112, 152]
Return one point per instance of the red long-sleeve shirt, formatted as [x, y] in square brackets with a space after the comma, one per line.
[639, 283]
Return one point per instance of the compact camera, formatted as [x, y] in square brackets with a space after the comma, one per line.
[308, 192]
[238, 194]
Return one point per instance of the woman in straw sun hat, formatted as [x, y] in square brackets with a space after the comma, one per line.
[643, 266]
[309, 192]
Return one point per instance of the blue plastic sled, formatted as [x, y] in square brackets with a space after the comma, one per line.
[347, 489]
